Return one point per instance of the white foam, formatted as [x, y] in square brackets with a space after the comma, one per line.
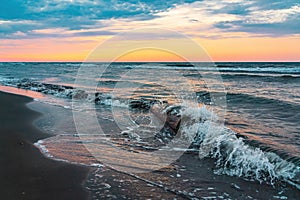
[233, 156]
[231, 69]
[40, 145]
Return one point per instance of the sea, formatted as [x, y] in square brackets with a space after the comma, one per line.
[225, 130]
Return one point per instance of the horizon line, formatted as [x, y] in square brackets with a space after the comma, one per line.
[264, 61]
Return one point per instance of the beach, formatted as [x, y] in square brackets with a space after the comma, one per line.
[174, 100]
[254, 155]
[25, 172]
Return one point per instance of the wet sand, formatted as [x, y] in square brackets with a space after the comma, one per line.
[25, 173]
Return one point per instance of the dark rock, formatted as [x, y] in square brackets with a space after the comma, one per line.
[140, 104]
[80, 94]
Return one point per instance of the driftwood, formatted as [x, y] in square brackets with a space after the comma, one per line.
[171, 121]
[166, 115]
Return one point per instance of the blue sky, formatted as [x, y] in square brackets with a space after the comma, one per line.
[20, 18]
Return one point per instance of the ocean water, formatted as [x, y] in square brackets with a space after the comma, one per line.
[242, 117]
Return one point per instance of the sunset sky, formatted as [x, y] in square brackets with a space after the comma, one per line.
[229, 30]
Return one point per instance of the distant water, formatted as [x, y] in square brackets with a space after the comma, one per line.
[261, 137]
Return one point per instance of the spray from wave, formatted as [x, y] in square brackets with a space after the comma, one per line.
[232, 155]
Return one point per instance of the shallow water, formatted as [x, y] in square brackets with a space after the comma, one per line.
[259, 102]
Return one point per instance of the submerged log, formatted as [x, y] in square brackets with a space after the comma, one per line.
[170, 120]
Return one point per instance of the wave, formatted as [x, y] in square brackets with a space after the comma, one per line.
[224, 68]
[276, 70]
[100, 98]
[242, 99]
[43, 148]
[61, 91]
[274, 77]
[233, 156]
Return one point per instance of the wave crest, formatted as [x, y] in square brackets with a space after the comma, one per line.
[233, 156]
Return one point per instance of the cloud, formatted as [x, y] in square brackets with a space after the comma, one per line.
[214, 17]
[273, 16]
[283, 20]
[12, 28]
[208, 18]
[75, 14]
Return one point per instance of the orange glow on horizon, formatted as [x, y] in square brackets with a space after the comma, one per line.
[78, 49]
[253, 49]
[150, 55]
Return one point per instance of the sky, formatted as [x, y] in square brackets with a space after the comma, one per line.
[228, 30]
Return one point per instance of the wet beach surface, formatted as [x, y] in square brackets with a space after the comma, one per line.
[25, 173]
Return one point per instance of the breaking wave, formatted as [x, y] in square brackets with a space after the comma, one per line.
[232, 155]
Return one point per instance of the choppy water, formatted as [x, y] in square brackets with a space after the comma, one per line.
[260, 103]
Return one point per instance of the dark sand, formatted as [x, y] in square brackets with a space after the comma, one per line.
[25, 173]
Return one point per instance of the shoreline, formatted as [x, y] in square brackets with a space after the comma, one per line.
[25, 172]
[195, 179]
